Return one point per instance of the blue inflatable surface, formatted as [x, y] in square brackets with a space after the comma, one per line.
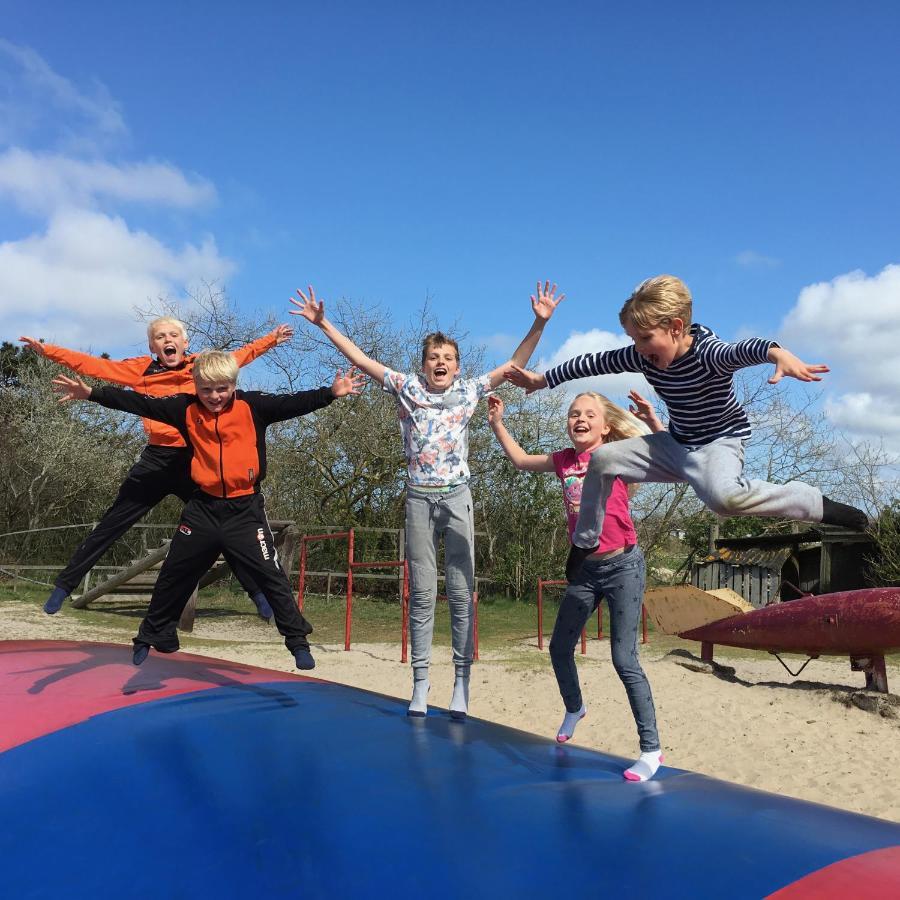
[198, 778]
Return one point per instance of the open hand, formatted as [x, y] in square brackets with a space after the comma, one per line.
[350, 383]
[34, 344]
[70, 388]
[544, 302]
[522, 378]
[790, 366]
[282, 334]
[309, 307]
[643, 410]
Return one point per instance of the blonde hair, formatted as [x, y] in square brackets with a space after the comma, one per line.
[166, 320]
[212, 366]
[656, 301]
[622, 424]
[437, 339]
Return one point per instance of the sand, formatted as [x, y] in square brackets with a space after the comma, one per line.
[802, 737]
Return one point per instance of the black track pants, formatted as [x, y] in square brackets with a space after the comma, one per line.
[238, 530]
[159, 471]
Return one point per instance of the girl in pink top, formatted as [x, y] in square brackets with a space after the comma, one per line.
[616, 571]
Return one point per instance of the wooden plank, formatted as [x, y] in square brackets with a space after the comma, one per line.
[681, 607]
[111, 583]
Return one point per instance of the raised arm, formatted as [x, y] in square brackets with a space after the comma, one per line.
[526, 462]
[170, 410]
[128, 372]
[314, 311]
[246, 354]
[543, 302]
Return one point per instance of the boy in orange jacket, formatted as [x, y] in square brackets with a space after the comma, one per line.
[163, 466]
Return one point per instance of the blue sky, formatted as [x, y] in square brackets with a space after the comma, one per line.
[385, 152]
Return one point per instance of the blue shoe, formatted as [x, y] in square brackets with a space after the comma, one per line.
[141, 652]
[262, 606]
[55, 601]
[303, 658]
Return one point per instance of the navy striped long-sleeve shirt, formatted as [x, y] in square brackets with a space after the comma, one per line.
[698, 388]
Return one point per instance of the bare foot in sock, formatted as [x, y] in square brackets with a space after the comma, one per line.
[570, 720]
[834, 513]
[418, 706]
[459, 704]
[645, 766]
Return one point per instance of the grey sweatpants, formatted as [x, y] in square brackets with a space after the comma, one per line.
[429, 517]
[715, 471]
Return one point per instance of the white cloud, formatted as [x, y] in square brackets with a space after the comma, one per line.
[616, 387]
[41, 94]
[852, 323]
[750, 259]
[79, 281]
[41, 183]
[78, 277]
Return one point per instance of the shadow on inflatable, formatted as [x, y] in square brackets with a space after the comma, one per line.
[195, 777]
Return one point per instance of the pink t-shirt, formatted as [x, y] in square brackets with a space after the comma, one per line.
[618, 529]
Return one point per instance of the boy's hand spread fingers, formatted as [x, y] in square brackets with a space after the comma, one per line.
[308, 306]
[544, 301]
[520, 377]
[34, 345]
[283, 333]
[70, 388]
[788, 365]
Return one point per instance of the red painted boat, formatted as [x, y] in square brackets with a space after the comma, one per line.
[854, 623]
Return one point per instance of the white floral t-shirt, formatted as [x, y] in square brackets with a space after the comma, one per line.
[435, 427]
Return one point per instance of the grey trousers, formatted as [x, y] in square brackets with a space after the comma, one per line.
[620, 581]
[429, 517]
[715, 471]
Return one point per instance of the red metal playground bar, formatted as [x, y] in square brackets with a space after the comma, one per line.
[352, 566]
[542, 583]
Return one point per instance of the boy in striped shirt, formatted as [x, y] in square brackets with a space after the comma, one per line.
[692, 370]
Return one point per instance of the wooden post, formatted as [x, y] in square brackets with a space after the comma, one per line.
[186, 622]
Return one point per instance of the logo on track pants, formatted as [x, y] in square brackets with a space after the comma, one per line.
[263, 546]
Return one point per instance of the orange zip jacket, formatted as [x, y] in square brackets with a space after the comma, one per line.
[229, 447]
[149, 376]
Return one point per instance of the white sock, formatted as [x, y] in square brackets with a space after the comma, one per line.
[570, 720]
[645, 766]
[459, 704]
[418, 706]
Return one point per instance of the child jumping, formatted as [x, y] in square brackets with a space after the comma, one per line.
[163, 467]
[225, 429]
[434, 408]
[615, 571]
[692, 370]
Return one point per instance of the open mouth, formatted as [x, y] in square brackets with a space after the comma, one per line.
[440, 372]
[581, 429]
[170, 352]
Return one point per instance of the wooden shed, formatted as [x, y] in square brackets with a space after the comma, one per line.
[772, 568]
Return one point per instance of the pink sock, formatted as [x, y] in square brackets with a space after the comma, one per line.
[567, 729]
[645, 766]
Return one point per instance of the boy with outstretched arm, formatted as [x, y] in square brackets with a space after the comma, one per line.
[163, 467]
[225, 428]
[434, 408]
[692, 370]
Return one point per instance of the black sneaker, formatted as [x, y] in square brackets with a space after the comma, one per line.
[834, 513]
[303, 659]
[577, 555]
[141, 652]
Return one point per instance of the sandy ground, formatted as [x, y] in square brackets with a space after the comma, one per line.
[801, 737]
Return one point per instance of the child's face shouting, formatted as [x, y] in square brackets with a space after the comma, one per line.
[168, 343]
[586, 423]
[215, 395]
[661, 345]
[440, 367]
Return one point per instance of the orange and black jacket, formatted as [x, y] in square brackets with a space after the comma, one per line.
[149, 376]
[229, 448]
